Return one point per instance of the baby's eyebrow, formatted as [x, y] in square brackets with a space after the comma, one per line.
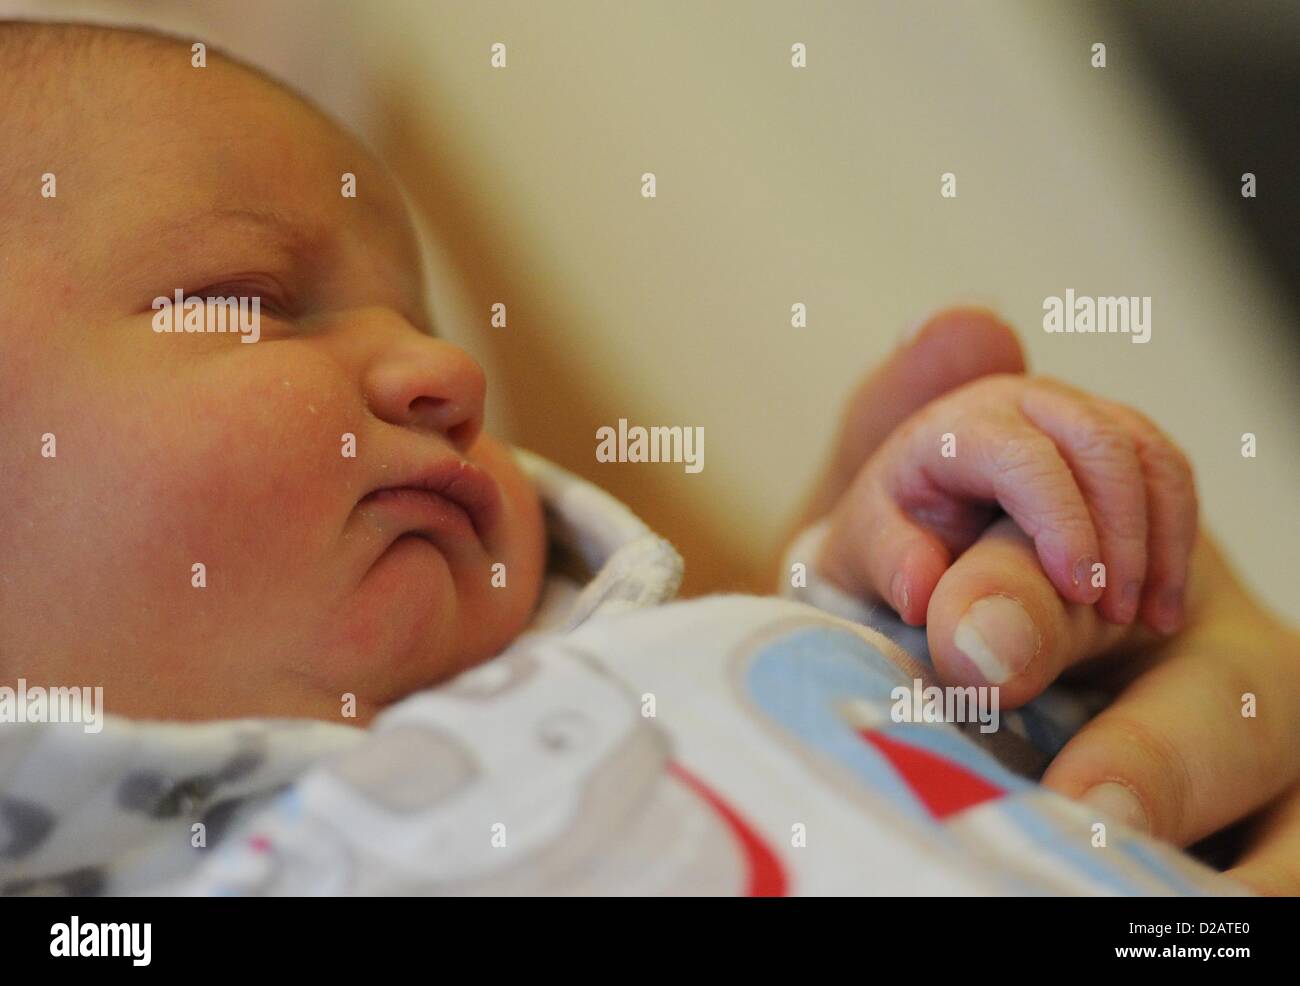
[308, 244]
[205, 241]
[302, 237]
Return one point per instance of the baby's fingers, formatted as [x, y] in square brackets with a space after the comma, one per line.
[1006, 459]
[1171, 520]
[874, 548]
[1103, 457]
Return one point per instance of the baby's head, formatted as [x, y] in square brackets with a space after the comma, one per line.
[130, 457]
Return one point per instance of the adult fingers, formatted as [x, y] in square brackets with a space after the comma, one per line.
[1271, 863]
[995, 619]
[949, 348]
[1203, 737]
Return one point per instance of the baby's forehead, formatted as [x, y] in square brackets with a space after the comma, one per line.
[155, 140]
[80, 86]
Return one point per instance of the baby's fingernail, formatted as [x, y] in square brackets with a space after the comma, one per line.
[1082, 570]
[998, 637]
[1083, 575]
[1169, 610]
[1129, 600]
[1118, 803]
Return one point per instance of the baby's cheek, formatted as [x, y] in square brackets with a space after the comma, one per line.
[297, 433]
[496, 612]
[252, 476]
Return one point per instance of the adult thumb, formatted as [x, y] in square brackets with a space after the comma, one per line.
[940, 353]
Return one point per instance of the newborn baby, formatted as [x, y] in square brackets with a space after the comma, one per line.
[325, 574]
[317, 522]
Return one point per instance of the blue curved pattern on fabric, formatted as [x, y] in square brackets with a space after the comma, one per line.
[1158, 867]
[800, 678]
[1084, 858]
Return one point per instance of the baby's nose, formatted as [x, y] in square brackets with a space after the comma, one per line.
[431, 385]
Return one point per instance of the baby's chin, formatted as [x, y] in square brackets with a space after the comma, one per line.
[435, 653]
[405, 626]
[417, 622]
[423, 612]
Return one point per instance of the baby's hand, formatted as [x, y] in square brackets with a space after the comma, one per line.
[1106, 498]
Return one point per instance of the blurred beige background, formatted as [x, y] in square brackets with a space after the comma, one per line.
[778, 185]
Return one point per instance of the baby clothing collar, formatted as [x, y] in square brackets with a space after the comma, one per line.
[629, 566]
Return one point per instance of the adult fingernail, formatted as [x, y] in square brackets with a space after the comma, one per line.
[998, 637]
[1118, 803]
[898, 589]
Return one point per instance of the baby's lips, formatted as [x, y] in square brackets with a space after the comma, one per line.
[469, 486]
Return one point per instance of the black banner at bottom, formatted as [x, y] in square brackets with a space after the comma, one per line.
[136, 936]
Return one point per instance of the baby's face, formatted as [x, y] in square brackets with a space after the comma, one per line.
[173, 451]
